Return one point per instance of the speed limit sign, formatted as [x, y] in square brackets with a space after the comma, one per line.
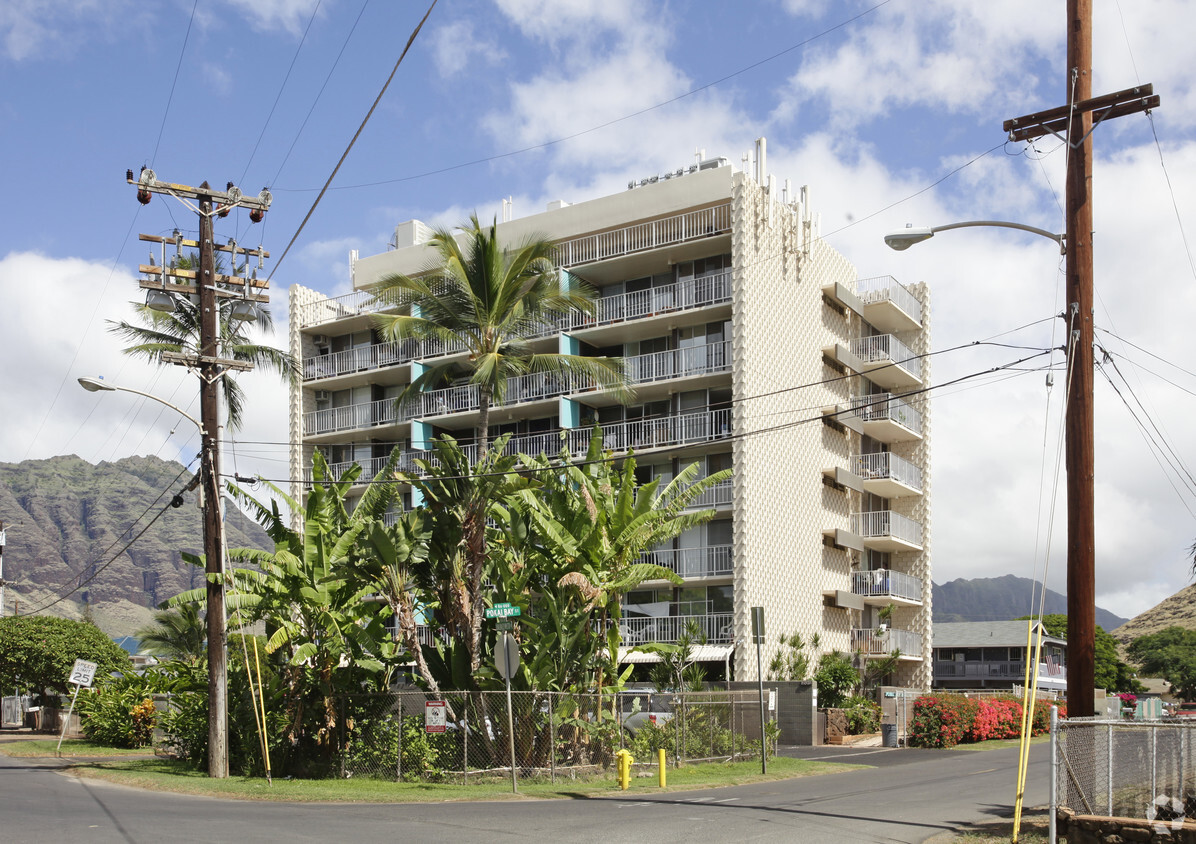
[83, 673]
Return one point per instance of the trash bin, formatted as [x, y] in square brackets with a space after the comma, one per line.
[888, 735]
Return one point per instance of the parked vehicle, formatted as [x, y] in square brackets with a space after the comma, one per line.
[1185, 710]
[642, 708]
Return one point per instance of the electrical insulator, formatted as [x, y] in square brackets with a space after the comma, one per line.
[144, 196]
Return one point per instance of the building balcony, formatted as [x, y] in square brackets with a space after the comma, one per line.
[679, 363]
[355, 416]
[661, 432]
[686, 295]
[887, 362]
[887, 418]
[643, 237]
[888, 305]
[975, 673]
[882, 587]
[875, 645]
[708, 561]
[715, 628]
[884, 530]
[722, 494]
[887, 475]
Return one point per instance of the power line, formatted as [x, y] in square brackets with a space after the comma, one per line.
[174, 82]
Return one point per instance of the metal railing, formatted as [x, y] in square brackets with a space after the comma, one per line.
[888, 466]
[679, 363]
[1015, 669]
[871, 642]
[714, 628]
[644, 236]
[722, 494]
[884, 583]
[706, 561]
[683, 429]
[887, 347]
[885, 288]
[885, 407]
[352, 416]
[879, 524]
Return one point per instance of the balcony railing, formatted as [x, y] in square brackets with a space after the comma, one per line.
[881, 524]
[722, 494]
[715, 628]
[946, 669]
[353, 416]
[885, 288]
[883, 583]
[885, 407]
[644, 236]
[871, 643]
[887, 349]
[708, 561]
[679, 363]
[685, 429]
[888, 466]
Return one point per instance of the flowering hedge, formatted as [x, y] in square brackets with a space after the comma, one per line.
[946, 720]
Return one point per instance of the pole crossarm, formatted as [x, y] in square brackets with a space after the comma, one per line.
[1055, 121]
[205, 360]
[239, 281]
[221, 200]
[194, 244]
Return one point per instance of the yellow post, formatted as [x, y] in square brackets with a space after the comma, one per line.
[623, 766]
[662, 767]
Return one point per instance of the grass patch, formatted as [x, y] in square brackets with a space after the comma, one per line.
[70, 747]
[173, 776]
[999, 744]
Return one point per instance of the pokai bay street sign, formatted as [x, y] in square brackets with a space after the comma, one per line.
[503, 611]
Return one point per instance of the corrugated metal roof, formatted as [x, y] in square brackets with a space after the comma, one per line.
[985, 634]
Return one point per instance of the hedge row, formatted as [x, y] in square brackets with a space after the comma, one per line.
[948, 720]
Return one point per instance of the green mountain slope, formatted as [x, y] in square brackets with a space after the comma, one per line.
[66, 519]
[1000, 599]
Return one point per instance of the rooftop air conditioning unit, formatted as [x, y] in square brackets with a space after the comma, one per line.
[323, 395]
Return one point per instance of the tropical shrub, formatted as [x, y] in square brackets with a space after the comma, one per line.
[119, 714]
[836, 679]
[863, 715]
[947, 720]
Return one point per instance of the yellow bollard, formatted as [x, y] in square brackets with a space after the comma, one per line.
[623, 768]
[662, 767]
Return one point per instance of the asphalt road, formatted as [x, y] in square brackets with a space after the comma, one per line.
[908, 796]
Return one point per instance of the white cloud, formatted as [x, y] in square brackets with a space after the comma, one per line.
[457, 46]
[36, 29]
[290, 16]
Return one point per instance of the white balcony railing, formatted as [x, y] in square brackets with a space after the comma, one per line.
[881, 524]
[883, 583]
[872, 643]
[350, 417]
[715, 628]
[644, 236]
[888, 466]
[887, 348]
[679, 363]
[885, 407]
[708, 561]
[688, 428]
[885, 288]
[722, 494]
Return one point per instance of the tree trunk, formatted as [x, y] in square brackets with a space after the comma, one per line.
[475, 533]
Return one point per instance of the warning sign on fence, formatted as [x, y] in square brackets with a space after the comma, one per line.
[435, 716]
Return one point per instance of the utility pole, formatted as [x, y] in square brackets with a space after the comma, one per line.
[3, 582]
[208, 288]
[1073, 123]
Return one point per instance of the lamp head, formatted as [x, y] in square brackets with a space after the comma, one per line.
[95, 385]
[903, 239]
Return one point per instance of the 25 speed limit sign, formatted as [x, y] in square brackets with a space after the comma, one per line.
[83, 673]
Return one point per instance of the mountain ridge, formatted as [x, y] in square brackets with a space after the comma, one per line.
[1001, 599]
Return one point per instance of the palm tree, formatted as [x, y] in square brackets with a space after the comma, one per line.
[490, 299]
[175, 634]
[179, 331]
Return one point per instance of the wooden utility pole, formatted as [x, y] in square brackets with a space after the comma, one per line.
[1074, 123]
[207, 289]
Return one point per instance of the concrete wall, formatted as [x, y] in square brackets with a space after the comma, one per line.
[797, 710]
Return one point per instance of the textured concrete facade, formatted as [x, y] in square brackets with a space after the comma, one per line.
[754, 345]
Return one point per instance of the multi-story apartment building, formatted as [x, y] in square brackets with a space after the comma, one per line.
[752, 346]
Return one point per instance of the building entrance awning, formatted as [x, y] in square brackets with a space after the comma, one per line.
[700, 653]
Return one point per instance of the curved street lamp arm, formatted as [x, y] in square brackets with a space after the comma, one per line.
[1058, 238]
[95, 384]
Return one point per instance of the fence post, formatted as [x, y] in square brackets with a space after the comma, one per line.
[1054, 787]
[1154, 762]
[399, 758]
[344, 743]
[552, 738]
[1109, 768]
[465, 731]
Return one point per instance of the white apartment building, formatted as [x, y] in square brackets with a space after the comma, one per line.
[752, 346]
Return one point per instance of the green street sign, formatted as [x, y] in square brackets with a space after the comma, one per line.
[506, 624]
[502, 611]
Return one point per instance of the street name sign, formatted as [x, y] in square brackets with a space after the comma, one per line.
[503, 611]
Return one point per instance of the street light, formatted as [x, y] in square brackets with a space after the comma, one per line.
[903, 239]
[1081, 542]
[99, 385]
[213, 542]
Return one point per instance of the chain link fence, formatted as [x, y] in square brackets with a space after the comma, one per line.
[471, 737]
[1133, 769]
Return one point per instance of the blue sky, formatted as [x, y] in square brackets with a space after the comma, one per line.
[869, 104]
